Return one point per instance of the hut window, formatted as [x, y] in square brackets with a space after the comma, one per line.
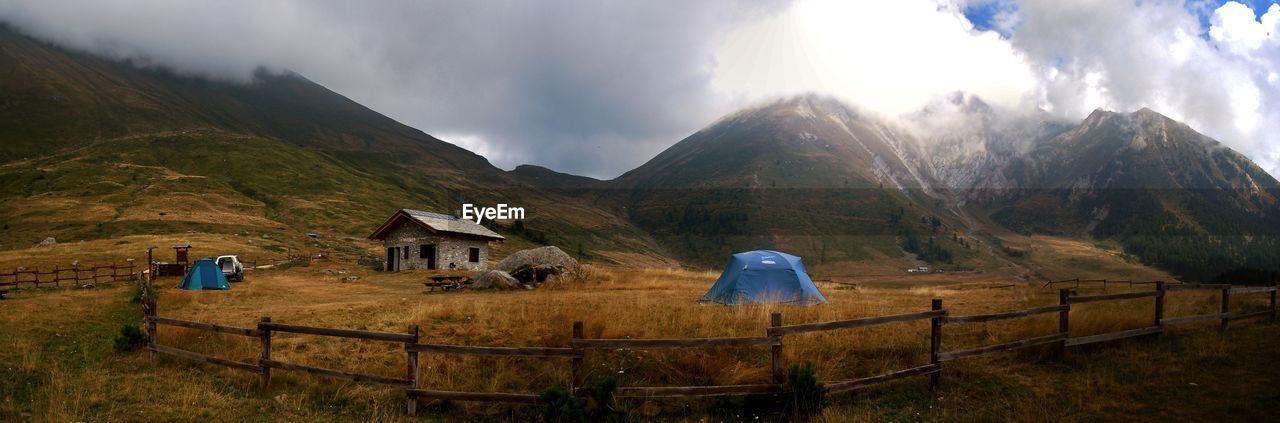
[406, 252]
[473, 255]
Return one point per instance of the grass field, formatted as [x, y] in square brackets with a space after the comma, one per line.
[59, 364]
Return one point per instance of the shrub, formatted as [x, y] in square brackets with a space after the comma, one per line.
[603, 407]
[559, 406]
[130, 338]
[807, 395]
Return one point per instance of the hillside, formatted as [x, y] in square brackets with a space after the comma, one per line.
[807, 174]
[812, 174]
[1171, 195]
[95, 148]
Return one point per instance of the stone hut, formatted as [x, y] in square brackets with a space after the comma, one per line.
[417, 239]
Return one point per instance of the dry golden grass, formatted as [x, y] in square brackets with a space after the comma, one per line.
[118, 250]
[1062, 258]
[1129, 380]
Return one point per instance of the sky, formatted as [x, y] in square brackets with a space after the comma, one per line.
[597, 88]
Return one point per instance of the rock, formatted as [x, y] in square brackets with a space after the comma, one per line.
[536, 264]
[351, 279]
[50, 241]
[370, 261]
[495, 279]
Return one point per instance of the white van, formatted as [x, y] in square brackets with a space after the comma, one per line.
[231, 268]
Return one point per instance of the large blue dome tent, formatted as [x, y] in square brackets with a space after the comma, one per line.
[764, 277]
[204, 274]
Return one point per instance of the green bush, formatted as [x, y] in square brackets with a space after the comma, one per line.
[560, 406]
[130, 338]
[601, 400]
[807, 395]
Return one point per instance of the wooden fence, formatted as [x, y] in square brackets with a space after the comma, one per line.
[579, 346]
[1076, 283]
[77, 274]
[298, 259]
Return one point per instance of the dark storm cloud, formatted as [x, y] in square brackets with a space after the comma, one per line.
[585, 87]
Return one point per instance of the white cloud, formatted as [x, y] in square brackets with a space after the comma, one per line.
[889, 56]
[598, 88]
[1123, 55]
[1233, 26]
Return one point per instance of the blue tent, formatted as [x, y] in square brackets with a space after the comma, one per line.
[205, 274]
[764, 277]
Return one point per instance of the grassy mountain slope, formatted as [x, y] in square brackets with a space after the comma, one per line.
[807, 174]
[1172, 196]
[96, 148]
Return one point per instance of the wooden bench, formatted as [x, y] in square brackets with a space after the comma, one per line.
[447, 283]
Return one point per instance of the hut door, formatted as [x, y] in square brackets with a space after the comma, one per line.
[391, 259]
[429, 253]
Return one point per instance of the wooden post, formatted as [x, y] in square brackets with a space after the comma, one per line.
[412, 401]
[1064, 318]
[149, 310]
[935, 347]
[266, 353]
[775, 356]
[1226, 307]
[1273, 297]
[577, 361]
[1160, 309]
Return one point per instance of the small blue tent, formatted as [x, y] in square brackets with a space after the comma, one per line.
[764, 277]
[205, 274]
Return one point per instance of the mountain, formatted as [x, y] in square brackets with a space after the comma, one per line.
[822, 178]
[95, 148]
[546, 178]
[1170, 194]
[978, 151]
[808, 174]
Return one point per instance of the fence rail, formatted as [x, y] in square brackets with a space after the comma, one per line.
[579, 346]
[854, 323]
[653, 344]
[59, 274]
[867, 382]
[982, 318]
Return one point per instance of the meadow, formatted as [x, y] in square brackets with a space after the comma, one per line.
[59, 365]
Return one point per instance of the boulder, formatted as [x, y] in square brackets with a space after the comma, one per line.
[535, 265]
[47, 242]
[494, 279]
[371, 261]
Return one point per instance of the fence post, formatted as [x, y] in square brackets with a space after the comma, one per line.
[266, 353]
[1273, 297]
[1226, 307]
[1160, 309]
[577, 360]
[935, 347]
[149, 311]
[1064, 318]
[775, 356]
[412, 400]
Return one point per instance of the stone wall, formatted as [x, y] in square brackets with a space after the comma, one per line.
[449, 250]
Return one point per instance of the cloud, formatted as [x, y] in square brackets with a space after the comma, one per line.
[888, 56]
[597, 88]
[585, 87]
[1122, 55]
